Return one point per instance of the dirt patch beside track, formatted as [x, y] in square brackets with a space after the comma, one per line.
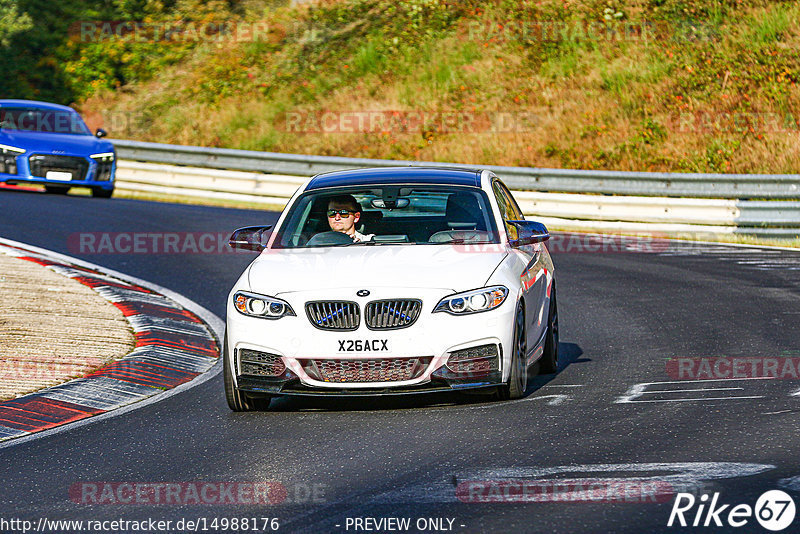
[53, 328]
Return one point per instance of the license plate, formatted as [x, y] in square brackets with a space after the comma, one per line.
[363, 345]
[58, 175]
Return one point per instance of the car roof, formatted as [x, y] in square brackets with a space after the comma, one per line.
[34, 104]
[397, 175]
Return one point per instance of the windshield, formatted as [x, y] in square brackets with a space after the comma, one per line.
[400, 214]
[42, 120]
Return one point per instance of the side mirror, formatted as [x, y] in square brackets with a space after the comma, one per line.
[100, 133]
[249, 238]
[529, 232]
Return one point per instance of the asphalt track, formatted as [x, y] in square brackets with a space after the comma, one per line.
[614, 410]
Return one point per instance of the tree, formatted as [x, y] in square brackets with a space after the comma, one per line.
[12, 21]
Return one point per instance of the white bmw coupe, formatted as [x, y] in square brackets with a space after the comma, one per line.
[391, 281]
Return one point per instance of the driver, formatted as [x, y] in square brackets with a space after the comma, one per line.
[344, 212]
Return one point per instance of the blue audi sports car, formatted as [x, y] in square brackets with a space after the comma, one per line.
[50, 145]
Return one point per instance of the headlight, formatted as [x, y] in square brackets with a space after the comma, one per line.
[105, 156]
[12, 149]
[261, 306]
[105, 162]
[474, 301]
[8, 158]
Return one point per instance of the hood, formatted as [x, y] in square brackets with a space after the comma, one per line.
[71, 144]
[419, 266]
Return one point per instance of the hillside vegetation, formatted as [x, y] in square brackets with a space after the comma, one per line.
[670, 85]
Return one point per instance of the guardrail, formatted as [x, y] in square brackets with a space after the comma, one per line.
[620, 201]
[730, 186]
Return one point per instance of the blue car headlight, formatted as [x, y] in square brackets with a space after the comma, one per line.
[475, 301]
[8, 158]
[12, 149]
[261, 306]
[105, 163]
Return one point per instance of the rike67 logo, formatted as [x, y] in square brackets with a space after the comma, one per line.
[774, 510]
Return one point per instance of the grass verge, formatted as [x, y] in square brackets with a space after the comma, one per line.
[647, 85]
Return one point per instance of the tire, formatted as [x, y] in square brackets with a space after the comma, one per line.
[99, 192]
[237, 401]
[517, 381]
[56, 190]
[549, 362]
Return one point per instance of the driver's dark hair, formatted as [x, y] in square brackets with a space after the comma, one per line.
[346, 200]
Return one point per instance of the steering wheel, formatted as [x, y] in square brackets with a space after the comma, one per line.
[329, 239]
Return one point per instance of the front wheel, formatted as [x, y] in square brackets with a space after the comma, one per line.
[237, 401]
[517, 381]
[99, 192]
[549, 361]
[56, 190]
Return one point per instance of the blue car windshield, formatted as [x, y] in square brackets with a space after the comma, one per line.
[42, 120]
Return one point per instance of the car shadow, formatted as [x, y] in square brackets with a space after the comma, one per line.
[569, 353]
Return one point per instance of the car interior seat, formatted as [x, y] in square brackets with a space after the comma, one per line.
[463, 212]
[465, 220]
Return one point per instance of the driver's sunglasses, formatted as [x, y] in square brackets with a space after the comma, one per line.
[343, 213]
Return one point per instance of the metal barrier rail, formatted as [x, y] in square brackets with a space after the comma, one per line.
[730, 186]
[210, 175]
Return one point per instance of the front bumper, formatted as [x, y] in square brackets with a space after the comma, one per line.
[96, 174]
[433, 339]
[291, 386]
